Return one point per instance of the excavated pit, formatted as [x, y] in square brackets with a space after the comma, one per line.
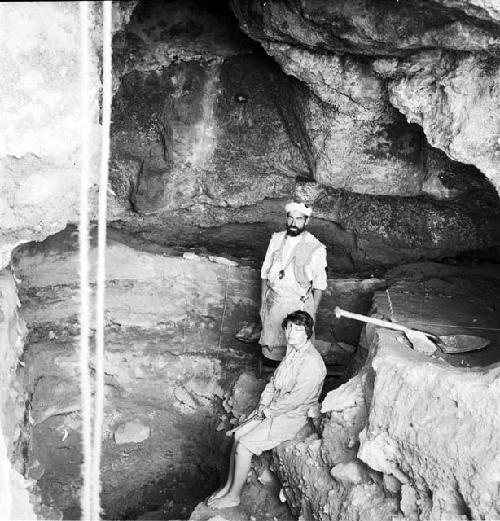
[171, 363]
[171, 360]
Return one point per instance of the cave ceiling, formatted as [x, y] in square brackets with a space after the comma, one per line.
[372, 110]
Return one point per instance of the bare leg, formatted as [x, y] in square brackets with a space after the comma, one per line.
[230, 477]
[243, 460]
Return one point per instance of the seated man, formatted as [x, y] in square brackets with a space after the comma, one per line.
[290, 395]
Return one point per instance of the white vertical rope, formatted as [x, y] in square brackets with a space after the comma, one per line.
[391, 309]
[101, 257]
[84, 263]
[223, 310]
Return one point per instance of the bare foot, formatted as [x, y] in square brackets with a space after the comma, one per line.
[227, 501]
[217, 494]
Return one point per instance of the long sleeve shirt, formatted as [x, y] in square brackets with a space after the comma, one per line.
[295, 387]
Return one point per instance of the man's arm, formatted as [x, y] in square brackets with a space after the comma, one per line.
[317, 295]
[320, 281]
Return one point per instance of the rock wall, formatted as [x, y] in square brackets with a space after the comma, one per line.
[41, 132]
[431, 428]
[169, 355]
[211, 136]
[40, 103]
[195, 119]
[14, 496]
[210, 132]
[449, 54]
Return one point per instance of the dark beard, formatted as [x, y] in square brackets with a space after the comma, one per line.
[294, 232]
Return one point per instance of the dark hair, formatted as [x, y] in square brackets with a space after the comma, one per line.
[301, 318]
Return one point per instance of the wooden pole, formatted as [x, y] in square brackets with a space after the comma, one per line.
[376, 321]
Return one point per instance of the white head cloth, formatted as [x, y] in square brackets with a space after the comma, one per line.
[298, 207]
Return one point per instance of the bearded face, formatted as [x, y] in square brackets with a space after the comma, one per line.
[295, 223]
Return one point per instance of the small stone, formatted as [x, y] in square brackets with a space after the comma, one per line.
[265, 477]
[131, 432]
[222, 260]
[392, 484]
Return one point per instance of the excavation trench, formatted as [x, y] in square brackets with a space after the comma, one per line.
[171, 360]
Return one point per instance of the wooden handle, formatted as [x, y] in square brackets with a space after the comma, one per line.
[369, 320]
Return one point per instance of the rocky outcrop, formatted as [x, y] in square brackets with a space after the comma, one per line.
[14, 495]
[446, 77]
[196, 122]
[396, 443]
[41, 121]
[40, 103]
[423, 419]
[456, 100]
[359, 142]
[390, 230]
[370, 28]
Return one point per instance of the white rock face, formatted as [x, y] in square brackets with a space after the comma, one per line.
[40, 135]
[456, 100]
[432, 427]
[482, 9]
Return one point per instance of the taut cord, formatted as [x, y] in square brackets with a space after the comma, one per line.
[83, 236]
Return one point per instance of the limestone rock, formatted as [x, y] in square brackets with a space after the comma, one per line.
[372, 28]
[245, 394]
[39, 145]
[351, 472]
[391, 229]
[132, 432]
[201, 130]
[14, 495]
[15, 498]
[12, 332]
[358, 141]
[436, 410]
[456, 100]
[350, 394]
[451, 93]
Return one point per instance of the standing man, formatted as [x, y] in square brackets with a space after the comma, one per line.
[293, 277]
